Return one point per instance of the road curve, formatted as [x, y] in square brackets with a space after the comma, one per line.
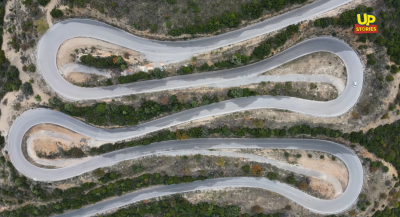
[178, 51]
[38, 116]
[47, 51]
[240, 75]
[167, 51]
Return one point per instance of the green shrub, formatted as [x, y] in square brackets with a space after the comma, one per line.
[290, 179]
[38, 98]
[389, 78]
[171, 2]
[98, 172]
[158, 74]
[103, 62]
[272, 176]
[43, 2]
[31, 68]
[246, 168]
[27, 88]
[56, 13]
[385, 169]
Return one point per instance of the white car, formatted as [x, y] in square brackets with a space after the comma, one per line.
[354, 84]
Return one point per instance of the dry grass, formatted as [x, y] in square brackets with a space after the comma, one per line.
[42, 26]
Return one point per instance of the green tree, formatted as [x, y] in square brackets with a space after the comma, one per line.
[272, 175]
[70, 107]
[43, 2]
[290, 179]
[389, 78]
[246, 168]
[158, 73]
[27, 88]
[56, 13]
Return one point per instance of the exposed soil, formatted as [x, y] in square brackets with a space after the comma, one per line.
[67, 52]
[77, 77]
[323, 187]
[323, 63]
[43, 143]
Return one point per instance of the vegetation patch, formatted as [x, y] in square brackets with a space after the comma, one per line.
[41, 26]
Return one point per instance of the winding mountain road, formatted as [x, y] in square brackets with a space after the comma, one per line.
[178, 51]
[187, 147]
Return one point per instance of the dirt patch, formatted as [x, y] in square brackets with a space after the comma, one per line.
[322, 187]
[51, 128]
[72, 49]
[335, 168]
[50, 141]
[77, 77]
[323, 63]
[45, 146]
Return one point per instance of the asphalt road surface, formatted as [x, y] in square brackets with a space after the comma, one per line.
[37, 116]
[174, 52]
[240, 75]
[171, 52]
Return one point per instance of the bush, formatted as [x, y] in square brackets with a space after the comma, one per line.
[303, 186]
[75, 152]
[56, 13]
[27, 88]
[272, 175]
[103, 62]
[41, 26]
[385, 116]
[98, 172]
[171, 1]
[256, 170]
[253, 10]
[246, 169]
[240, 92]
[43, 2]
[31, 68]
[134, 77]
[257, 209]
[389, 78]
[157, 73]
[186, 70]
[38, 98]
[394, 69]
[137, 168]
[385, 169]
[290, 179]
[221, 162]
[322, 156]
